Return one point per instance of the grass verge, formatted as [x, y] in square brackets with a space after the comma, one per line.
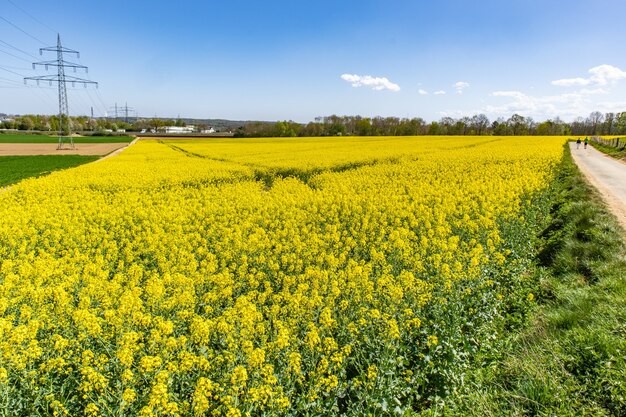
[615, 152]
[24, 138]
[16, 168]
[570, 357]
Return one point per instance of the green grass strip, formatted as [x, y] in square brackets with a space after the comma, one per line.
[615, 152]
[570, 357]
[16, 168]
[20, 138]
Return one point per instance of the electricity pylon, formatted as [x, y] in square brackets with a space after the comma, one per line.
[117, 110]
[65, 132]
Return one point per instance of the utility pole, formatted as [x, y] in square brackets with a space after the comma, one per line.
[65, 128]
[119, 110]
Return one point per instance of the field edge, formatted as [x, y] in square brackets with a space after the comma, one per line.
[569, 358]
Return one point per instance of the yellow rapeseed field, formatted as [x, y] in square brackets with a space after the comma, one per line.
[262, 276]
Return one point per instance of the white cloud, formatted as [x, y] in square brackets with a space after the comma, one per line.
[439, 93]
[577, 102]
[423, 92]
[460, 86]
[569, 82]
[599, 76]
[516, 94]
[569, 105]
[377, 83]
[593, 91]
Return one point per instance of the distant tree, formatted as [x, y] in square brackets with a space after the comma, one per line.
[578, 126]
[123, 126]
[9, 124]
[139, 125]
[460, 127]
[91, 124]
[594, 121]
[285, 129]
[434, 129]
[479, 124]
[554, 127]
[620, 123]
[26, 123]
[500, 127]
[609, 122]
[446, 126]
[411, 127]
[77, 124]
[363, 127]
[518, 125]
[156, 124]
[312, 129]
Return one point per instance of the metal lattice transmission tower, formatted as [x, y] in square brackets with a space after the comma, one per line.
[123, 111]
[65, 127]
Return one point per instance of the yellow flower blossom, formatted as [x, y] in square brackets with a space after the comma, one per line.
[220, 277]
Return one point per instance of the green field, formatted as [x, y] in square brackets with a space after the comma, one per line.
[16, 168]
[20, 138]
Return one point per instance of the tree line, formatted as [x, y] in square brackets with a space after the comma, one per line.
[595, 124]
[44, 123]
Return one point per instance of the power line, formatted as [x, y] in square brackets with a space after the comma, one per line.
[32, 17]
[23, 31]
[83, 104]
[41, 91]
[17, 49]
[10, 81]
[14, 56]
[104, 106]
[12, 72]
[44, 92]
[17, 68]
[101, 110]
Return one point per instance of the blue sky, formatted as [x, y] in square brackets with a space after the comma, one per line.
[280, 60]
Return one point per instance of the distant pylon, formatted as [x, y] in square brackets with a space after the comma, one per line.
[61, 79]
[123, 111]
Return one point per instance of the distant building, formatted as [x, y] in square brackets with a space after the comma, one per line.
[209, 130]
[178, 129]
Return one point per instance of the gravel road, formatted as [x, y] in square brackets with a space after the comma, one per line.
[608, 175]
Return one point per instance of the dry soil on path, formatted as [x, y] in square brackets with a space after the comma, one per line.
[17, 149]
[608, 175]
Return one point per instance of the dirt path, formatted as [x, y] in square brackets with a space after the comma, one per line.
[118, 151]
[607, 175]
[15, 149]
